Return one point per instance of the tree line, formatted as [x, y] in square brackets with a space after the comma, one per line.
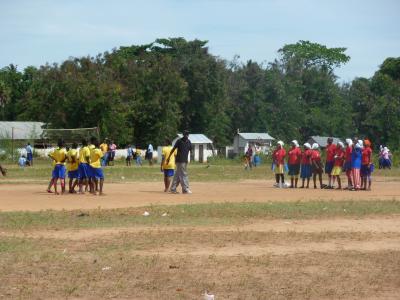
[142, 94]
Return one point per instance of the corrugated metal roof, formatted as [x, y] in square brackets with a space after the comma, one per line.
[197, 138]
[321, 140]
[256, 136]
[22, 130]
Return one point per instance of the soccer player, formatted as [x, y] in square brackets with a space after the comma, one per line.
[73, 167]
[84, 160]
[366, 165]
[167, 168]
[59, 155]
[316, 165]
[294, 159]
[278, 157]
[337, 168]
[330, 160]
[95, 162]
[347, 163]
[91, 147]
[305, 172]
[356, 155]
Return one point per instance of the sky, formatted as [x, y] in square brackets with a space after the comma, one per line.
[35, 32]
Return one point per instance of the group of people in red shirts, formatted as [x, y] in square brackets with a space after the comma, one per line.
[354, 158]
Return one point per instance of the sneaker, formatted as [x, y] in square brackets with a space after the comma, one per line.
[187, 192]
[276, 185]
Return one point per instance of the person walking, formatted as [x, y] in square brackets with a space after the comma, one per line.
[183, 147]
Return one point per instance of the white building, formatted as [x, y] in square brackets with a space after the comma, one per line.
[260, 141]
[202, 147]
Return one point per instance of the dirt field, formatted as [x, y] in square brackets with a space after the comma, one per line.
[329, 258]
[33, 197]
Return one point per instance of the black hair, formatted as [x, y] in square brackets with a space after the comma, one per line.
[74, 145]
[93, 140]
[167, 141]
[84, 142]
[60, 143]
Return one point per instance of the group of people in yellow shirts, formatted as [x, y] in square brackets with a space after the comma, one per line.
[83, 167]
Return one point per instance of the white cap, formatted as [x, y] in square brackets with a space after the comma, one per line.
[281, 143]
[296, 143]
[307, 145]
[349, 142]
[315, 146]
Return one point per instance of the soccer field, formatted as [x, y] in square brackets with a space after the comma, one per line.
[236, 236]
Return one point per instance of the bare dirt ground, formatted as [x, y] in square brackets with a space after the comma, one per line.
[335, 258]
[33, 197]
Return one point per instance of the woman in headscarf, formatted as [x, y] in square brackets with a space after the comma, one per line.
[294, 158]
[306, 165]
[278, 157]
[338, 164]
[356, 165]
[387, 158]
[347, 163]
[366, 165]
[316, 165]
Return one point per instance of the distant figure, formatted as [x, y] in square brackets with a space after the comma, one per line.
[3, 170]
[167, 168]
[113, 149]
[138, 155]
[104, 149]
[367, 166]
[59, 155]
[347, 163]
[339, 161]
[183, 147]
[294, 159]
[386, 158]
[22, 162]
[306, 171]
[356, 156]
[73, 168]
[29, 154]
[316, 165]
[248, 158]
[330, 160]
[129, 155]
[149, 154]
[278, 157]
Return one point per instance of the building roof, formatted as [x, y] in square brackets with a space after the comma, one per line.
[196, 138]
[255, 136]
[20, 130]
[321, 140]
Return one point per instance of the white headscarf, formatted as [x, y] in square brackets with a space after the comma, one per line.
[296, 143]
[281, 143]
[349, 142]
[315, 146]
[307, 145]
[341, 144]
[359, 144]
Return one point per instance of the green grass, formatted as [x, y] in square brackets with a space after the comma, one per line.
[194, 214]
[216, 170]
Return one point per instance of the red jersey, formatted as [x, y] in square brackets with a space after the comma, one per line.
[315, 155]
[366, 156]
[330, 152]
[294, 156]
[279, 156]
[347, 154]
[306, 157]
[339, 159]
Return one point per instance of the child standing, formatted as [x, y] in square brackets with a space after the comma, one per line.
[129, 155]
[330, 160]
[97, 172]
[366, 166]
[347, 163]
[337, 168]
[168, 168]
[278, 157]
[316, 165]
[356, 165]
[72, 167]
[294, 159]
[306, 165]
[59, 155]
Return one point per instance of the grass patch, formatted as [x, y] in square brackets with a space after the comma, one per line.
[194, 214]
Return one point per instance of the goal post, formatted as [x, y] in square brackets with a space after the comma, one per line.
[51, 136]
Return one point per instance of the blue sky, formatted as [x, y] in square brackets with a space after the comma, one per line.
[38, 31]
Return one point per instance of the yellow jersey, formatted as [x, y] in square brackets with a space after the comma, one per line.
[165, 153]
[95, 158]
[59, 155]
[73, 161]
[104, 147]
[83, 153]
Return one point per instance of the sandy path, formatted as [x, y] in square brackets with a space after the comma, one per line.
[32, 197]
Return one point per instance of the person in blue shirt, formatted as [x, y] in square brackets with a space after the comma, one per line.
[356, 156]
[22, 162]
[129, 155]
[29, 153]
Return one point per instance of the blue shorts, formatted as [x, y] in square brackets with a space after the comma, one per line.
[329, 167]
[59, 171]
[97, 173]
[73, 174]
[29, 156]
[90, 172]
[347, 166]
[294, 170]
[83, 171]
[366, 170]
[305, 171]
[169, 172]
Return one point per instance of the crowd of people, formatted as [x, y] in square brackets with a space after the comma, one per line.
[354, 158]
